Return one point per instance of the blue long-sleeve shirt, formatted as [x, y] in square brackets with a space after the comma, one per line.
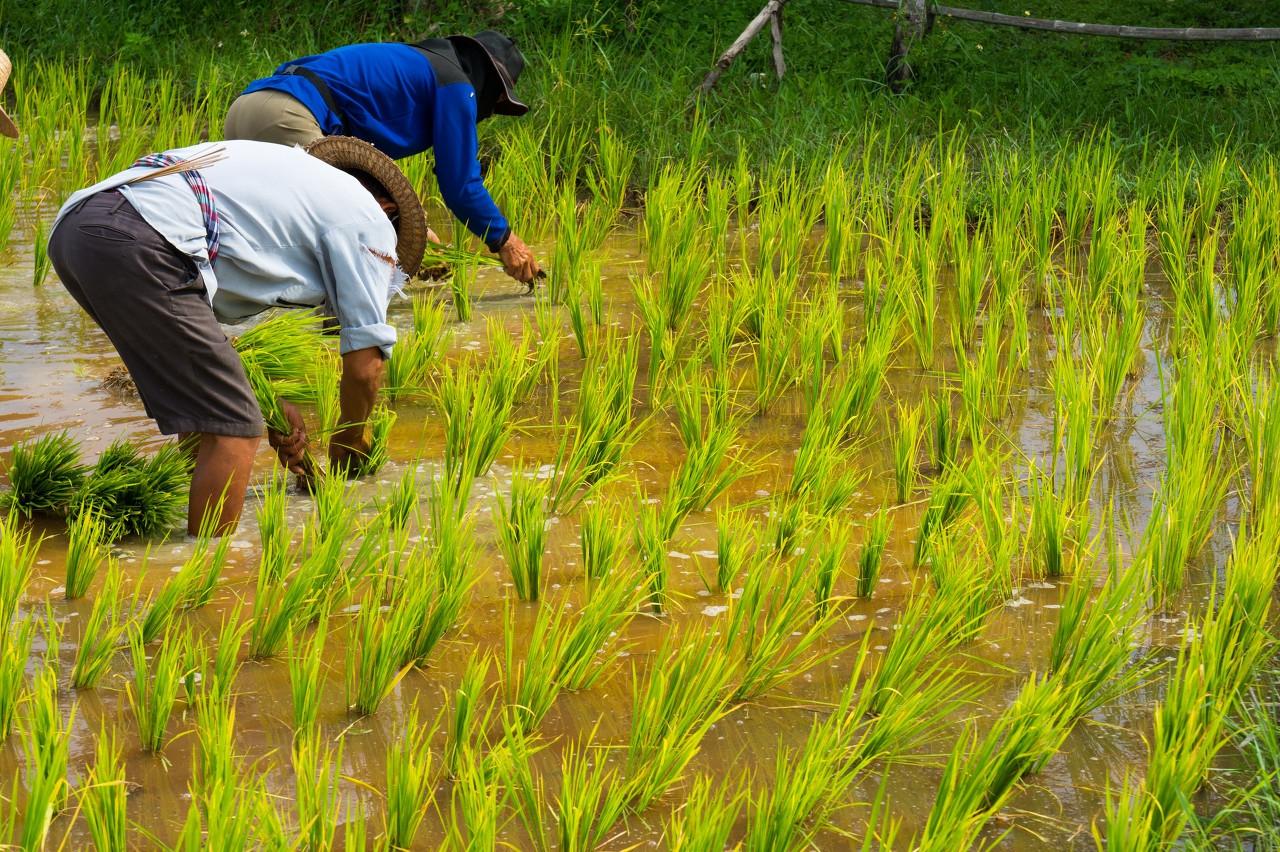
[389, 95]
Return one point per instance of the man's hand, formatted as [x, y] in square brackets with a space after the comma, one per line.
[291, 449]
[348, 451]
[518, 260]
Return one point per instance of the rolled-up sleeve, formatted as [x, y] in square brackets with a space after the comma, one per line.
[360, 274]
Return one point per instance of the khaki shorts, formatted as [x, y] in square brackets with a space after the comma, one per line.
[270, 116]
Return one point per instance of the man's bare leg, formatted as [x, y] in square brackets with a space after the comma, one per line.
[220, 479]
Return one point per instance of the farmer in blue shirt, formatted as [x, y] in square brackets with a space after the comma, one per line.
[404, 99]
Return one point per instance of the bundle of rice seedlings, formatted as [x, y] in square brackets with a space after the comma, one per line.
[376, 651]
[134, 495]
[305, 679]
[708, 816]
[471, 711]
[44, 475]
[416, 351]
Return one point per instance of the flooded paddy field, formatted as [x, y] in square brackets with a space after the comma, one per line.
[854, 527]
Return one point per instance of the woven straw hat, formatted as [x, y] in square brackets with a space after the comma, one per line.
[7, 127]
[351, 154]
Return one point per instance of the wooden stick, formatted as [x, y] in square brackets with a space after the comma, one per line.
[1109, 30]
[775, 32]
[739, 44]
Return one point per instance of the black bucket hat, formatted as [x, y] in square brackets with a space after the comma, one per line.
[506, 59]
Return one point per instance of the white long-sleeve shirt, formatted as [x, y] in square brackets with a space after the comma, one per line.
[293, 232]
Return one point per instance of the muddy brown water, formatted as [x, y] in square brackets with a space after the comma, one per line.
[52, 365]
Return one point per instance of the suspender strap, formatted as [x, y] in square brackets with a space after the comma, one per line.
[320, 86]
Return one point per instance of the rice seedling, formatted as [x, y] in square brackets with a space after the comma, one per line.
[40, 246]
[46, 747]
[828, 559]
[86, 551]
[605, 428]
[410, 782]
[950, 496]
[477, 404]
[971, 271]
[511, 762]
[154, 688]
[772, 356]
[854, 387]
[381, 419]
[104, 632]
[907, 431]
[475, 805]
[775, 627]
[443, 584]
[709, 469]
[318, 771]
[104, 799]
[416, 351]
[1052, 527]
[736, 538]
[471, 712]
[825, 475]
[593, 797]
[685, 691]
[18, 553]
[45, 474]
[400, 506]
[279, 604]
[706, 820]
[565, 651]
[522, 532]
[326, 391]
[461, 284]
[15, 651]
[306, 678]
[650, 538]
[602, 535]
[945, 441]
[872, 555]
[377, 650]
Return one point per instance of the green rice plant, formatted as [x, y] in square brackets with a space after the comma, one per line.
[154, 688]
[410, 782]
[442, 585]
[736, 539]
[416, 351]
[775, 627]
[471, 711]
[273, 526]
[15, 651]
[461, 284]
[381, 419]
[945, 441]
[854, 388]
[377, 651]
[593, 797]
[1052, 527]
[650, 538]
[46, 747]
[318, 770]
[971, 272]
[306, 678]
[511, 762]
[789, 522]
[400, 505]
[280, 604]
[707, 818]
[86, 551]
[564, 650]
[825, 475]
[1075, 426]
[773, 359]
[476, 802]
[907, 430]
[872, 555]
[18, 553]
[477, 404]
[44, 474]
[662, 343]
[709, 469]
[950, 496]
[206, 563]
[218, 679]
[138, 496]
[828, 559]
[522, 532]
[684, 693]
[40, 248]
[605, 427]
[602, 535]
[103, 634]
[104, 798]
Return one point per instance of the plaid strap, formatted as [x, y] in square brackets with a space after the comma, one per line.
[200, 189]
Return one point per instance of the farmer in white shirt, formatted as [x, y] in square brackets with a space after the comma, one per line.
[159, 261]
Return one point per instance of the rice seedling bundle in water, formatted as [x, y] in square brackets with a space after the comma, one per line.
[135, 495]
[416, 352]
[871, 558]
[44, 475]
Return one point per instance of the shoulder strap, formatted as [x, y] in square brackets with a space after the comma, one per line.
[320, 86]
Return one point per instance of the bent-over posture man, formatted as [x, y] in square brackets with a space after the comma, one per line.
[161, 253]
[403, 99]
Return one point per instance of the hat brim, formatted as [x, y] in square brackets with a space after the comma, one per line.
[7, 125]
[349, 153]
[508, 103]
